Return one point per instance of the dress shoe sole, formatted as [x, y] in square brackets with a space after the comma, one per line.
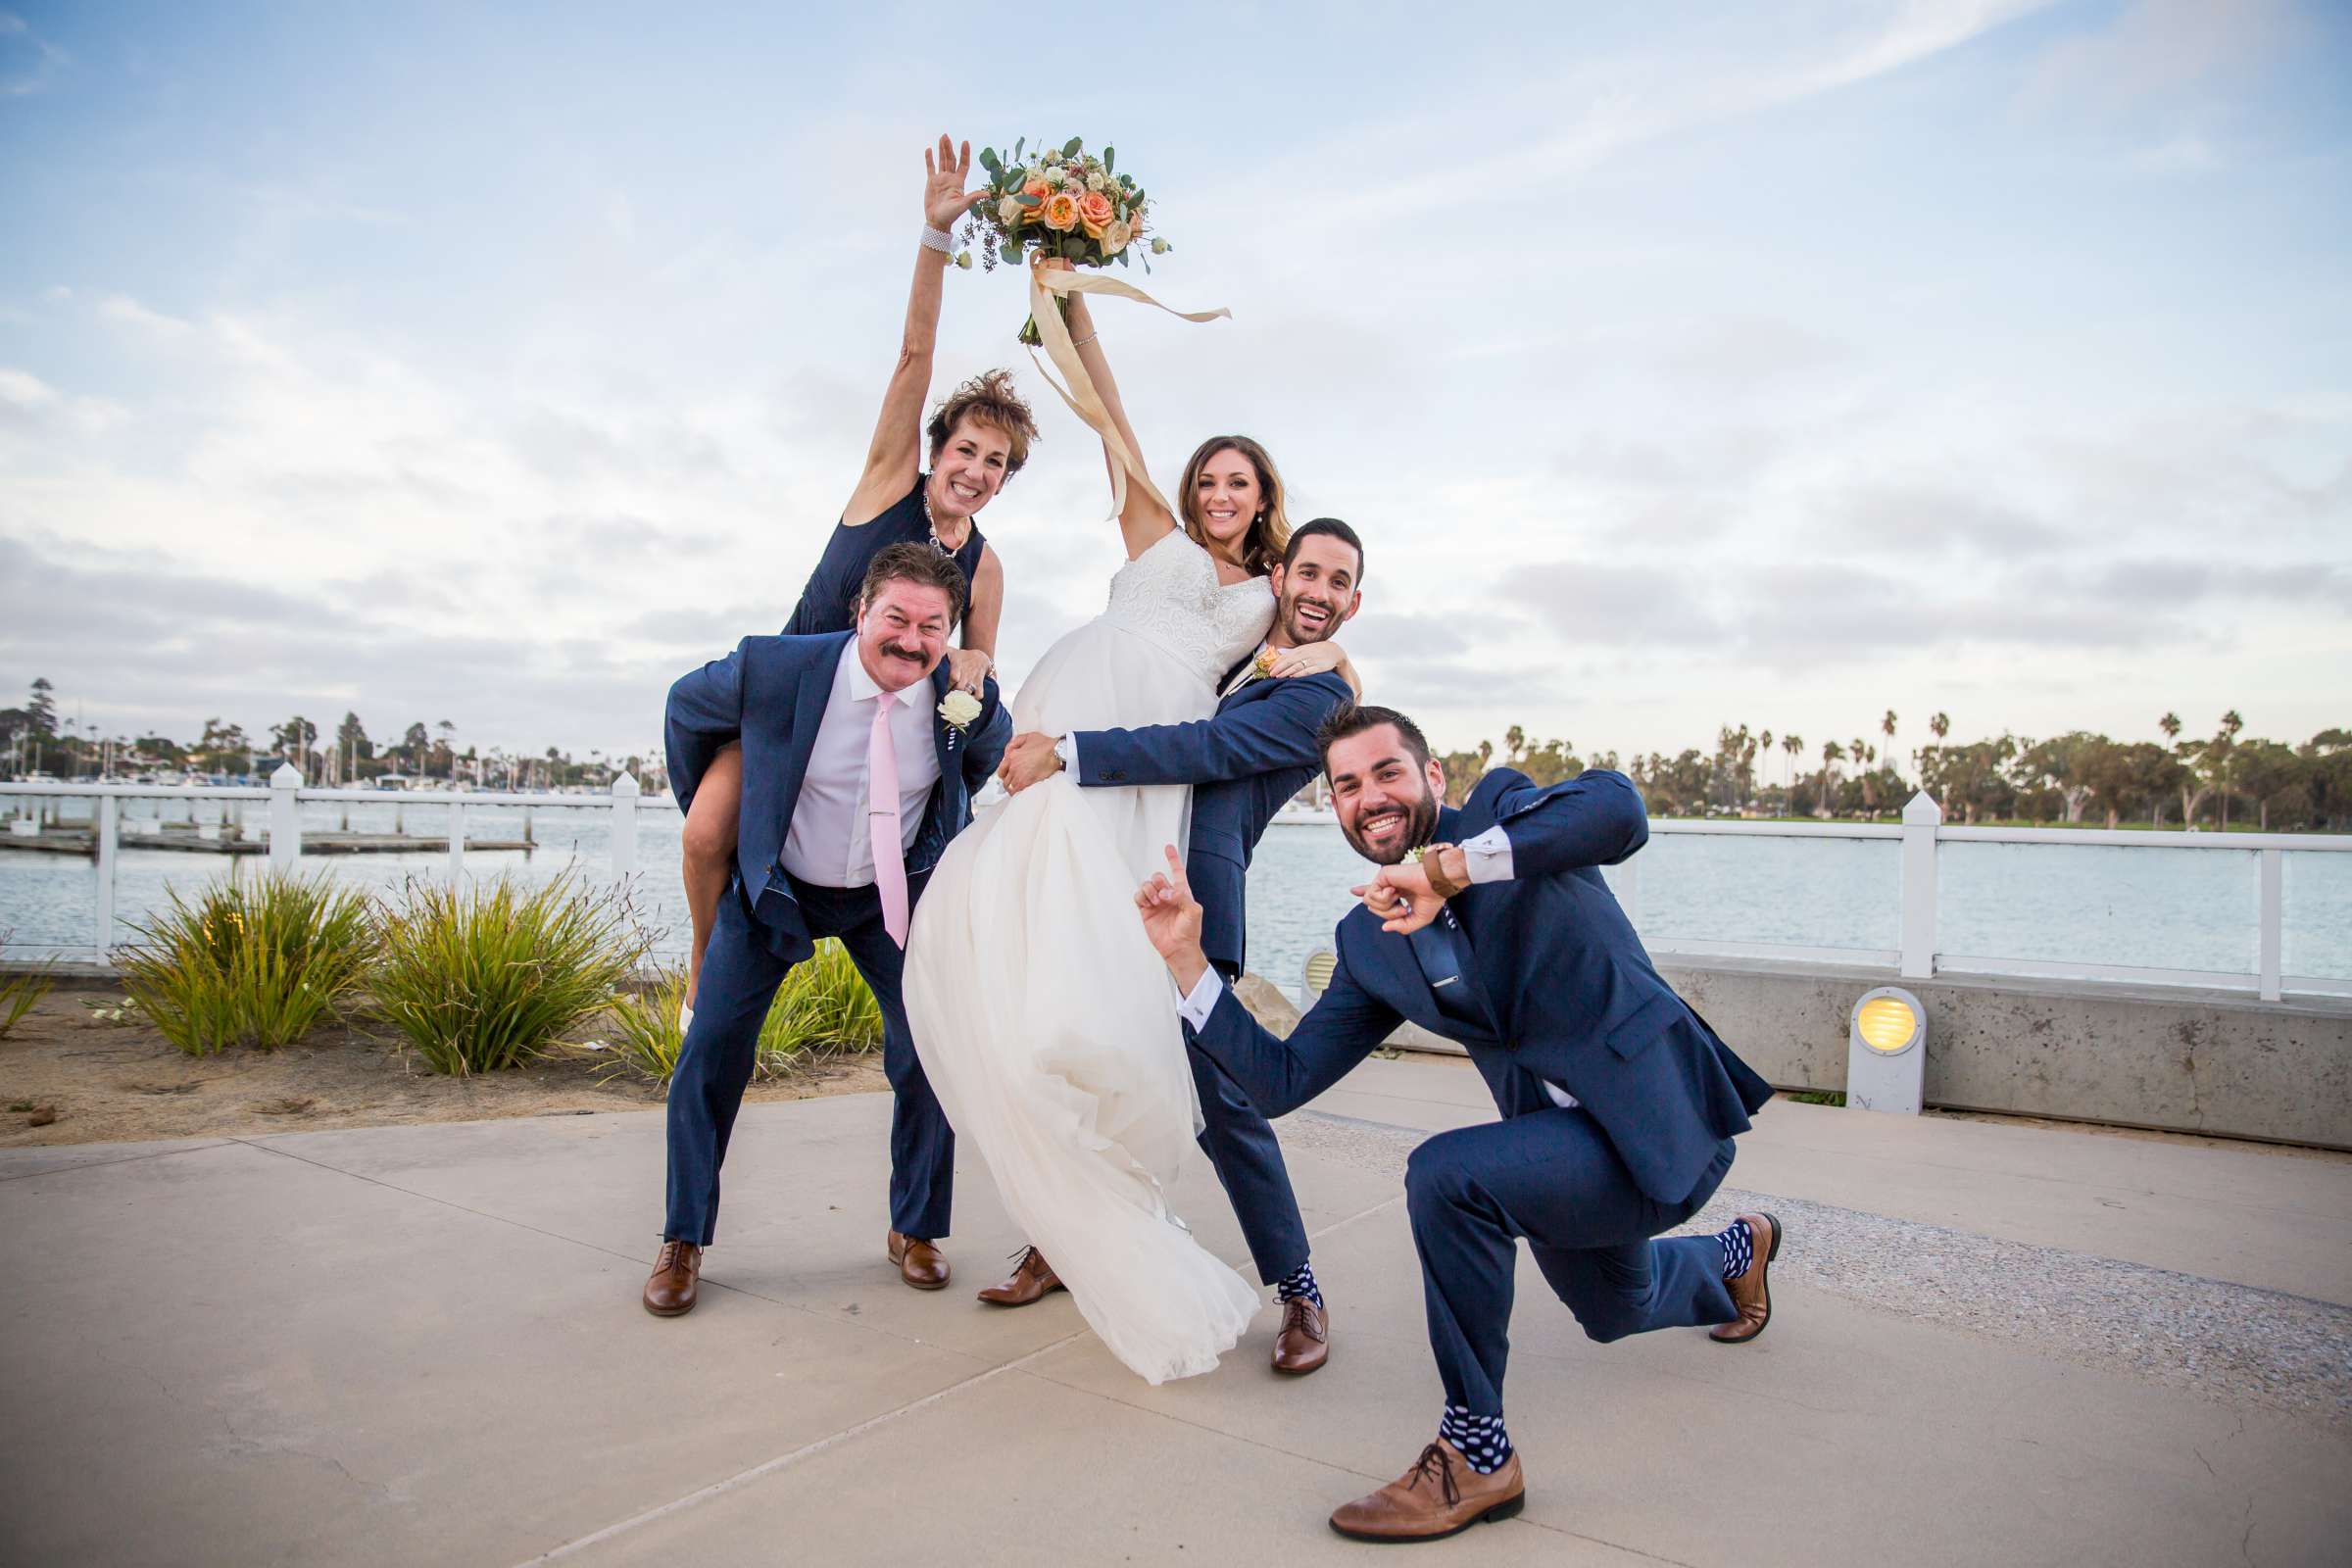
[665, 1312]
[923, 1284]
[996, 1300]
[1770, 1254]
[1507, 1508]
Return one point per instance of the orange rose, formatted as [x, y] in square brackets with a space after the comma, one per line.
[1060, 212]
[1095, 212]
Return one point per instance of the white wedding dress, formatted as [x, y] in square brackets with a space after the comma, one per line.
[1043, 1018]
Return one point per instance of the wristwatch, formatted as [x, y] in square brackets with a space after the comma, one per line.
[1433, 866]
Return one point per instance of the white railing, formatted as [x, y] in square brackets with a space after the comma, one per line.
[285, 798]
[1923, 828]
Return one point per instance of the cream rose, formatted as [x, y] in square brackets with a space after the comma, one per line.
[959, 708]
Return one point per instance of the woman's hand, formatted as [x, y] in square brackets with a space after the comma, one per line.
[967, 669]
[943, 173]
[1313, 659]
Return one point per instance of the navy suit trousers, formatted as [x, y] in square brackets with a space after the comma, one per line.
[1240, 1145]
[1552, 1177]
[740, 976]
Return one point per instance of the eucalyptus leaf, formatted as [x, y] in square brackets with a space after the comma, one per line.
[1109, 157]
[1011, 253]
[1018, 145]
[1030, 201]
[1070, 148]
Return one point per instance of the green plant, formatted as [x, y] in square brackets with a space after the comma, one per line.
[647, 1038]
[21, 990]
[259, 961]
[823, 1010]
[489, 977]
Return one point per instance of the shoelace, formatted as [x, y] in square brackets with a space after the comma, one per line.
[1031, 1261]
[1294, 1314]
[669, 1258]
[1435, 1460]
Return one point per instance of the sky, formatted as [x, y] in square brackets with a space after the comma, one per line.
[1683, 366]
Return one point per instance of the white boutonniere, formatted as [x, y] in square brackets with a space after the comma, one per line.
[959, 709]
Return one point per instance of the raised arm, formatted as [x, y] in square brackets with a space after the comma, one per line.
[895, 456]
[704, 714]
[976, 659]
[1595, 818]
[1143, 522]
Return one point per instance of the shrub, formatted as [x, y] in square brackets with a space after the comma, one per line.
[824, 1008]
[20, 991]
[258, 961]
[489, 977]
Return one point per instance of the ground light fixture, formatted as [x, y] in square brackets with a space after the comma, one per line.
[1885, 1052]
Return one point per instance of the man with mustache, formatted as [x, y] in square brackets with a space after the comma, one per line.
[1254, 754]
[1619, 1105]
[857, 769]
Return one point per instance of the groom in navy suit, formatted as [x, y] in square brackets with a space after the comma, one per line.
[1619, 1105]
[859, 766]
[1242, 764]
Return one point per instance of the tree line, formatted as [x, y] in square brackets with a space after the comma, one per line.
[38, 742]
[2216, 781]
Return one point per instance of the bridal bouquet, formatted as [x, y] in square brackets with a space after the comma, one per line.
[1061, 202]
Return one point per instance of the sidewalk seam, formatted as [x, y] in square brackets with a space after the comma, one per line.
[126, 1159]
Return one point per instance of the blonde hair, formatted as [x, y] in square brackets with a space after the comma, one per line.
[1269, 532]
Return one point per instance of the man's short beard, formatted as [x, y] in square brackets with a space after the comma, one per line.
[1420, 825]
[1300, 637]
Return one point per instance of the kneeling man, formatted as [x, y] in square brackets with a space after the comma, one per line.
[1619, 1105]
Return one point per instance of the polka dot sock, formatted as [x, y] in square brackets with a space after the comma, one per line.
[1301, 1281]
[1738, 1248]
[1480, 1437]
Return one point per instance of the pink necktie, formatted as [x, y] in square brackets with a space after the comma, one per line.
[882, 819]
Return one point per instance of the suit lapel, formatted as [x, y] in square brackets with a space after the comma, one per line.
[808, 714]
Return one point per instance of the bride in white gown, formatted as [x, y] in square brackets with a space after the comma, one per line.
[1046, 1023]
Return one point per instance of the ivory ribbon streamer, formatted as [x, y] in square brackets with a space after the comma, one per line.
[1084, 401]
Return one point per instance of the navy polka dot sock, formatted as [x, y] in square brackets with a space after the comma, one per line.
[1480, 1437]
[1738, 1248]
[1301, 1281]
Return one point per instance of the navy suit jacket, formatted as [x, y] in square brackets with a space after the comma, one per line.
[770, 695]
[1555, 968]
[1255, 753]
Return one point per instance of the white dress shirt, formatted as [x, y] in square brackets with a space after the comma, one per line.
[829, 843]
[1489, 857]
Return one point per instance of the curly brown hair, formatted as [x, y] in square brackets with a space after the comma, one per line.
[919, 563]
[1269, 532]
[990, 398]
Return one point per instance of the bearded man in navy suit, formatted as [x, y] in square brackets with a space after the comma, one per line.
[1492, 925]
[1242, 764]
[859, 766]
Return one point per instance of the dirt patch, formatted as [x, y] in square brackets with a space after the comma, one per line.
[70, 1077]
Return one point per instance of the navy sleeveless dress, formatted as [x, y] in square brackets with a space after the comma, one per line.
[830, 601]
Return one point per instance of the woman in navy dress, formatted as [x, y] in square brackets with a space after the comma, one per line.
[978, 438]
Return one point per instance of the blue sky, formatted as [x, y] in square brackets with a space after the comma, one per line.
[1682, 364]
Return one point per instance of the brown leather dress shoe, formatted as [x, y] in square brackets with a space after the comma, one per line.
[1304, 1340]
[919, 1260]
[1752, 1292]
[1441, 1495]
[676, 1269]
[1033, 1279]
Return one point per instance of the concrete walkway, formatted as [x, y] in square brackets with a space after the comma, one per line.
[1993, 1344]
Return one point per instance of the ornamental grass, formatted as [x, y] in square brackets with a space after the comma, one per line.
[823, 1010]
[21, 990]
[259, 961]
[489, 977]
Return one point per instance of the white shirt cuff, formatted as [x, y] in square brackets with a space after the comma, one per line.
[1201, 999]
[1066, 749]
[1489, 856]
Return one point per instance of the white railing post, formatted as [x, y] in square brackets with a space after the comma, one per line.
[285, 819]
[105, 824]
[457, 836]
[1921, 818]
[625, 827]
[1629, 891]
[2267, 948]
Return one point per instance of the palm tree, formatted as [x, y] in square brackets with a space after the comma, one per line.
[1941, 724]
[1794, 745]
[2222, 745]
[2169, 723]
[1831, 752]
[1887, 728]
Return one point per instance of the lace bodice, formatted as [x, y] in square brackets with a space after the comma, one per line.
[1170, 597]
